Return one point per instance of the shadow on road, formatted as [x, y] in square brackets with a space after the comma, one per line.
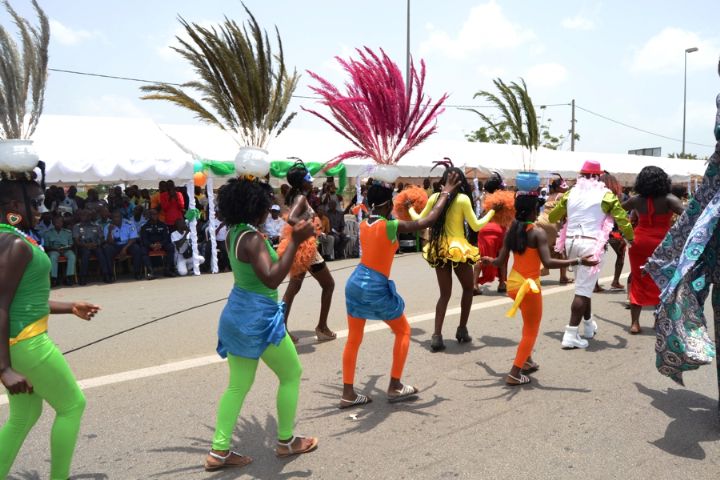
[365, 418]
[34, 475]
[265, 464]
[646, 330]
[596, 344]
[694, 420]
[497, 379]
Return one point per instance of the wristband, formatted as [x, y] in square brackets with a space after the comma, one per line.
[445, 193]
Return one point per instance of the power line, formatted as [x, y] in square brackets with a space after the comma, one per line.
[638, 128]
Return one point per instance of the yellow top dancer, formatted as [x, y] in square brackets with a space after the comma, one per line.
[449, 250]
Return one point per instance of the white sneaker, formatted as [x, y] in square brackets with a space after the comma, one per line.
[571, 339]
[590, 328]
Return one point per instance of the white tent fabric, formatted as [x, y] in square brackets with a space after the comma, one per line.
[105, 150]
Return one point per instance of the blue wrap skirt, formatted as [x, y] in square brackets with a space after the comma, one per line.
[371, 295]
[249, 323]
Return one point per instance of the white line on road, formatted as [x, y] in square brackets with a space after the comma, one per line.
[211, 359]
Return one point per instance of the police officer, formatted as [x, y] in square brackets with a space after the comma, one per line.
[156, 237]
[122, 241]
[88, 237]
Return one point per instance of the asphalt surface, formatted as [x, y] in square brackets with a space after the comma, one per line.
[600, 413]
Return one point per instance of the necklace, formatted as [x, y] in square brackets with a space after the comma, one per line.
[251, 227]
[27, 237]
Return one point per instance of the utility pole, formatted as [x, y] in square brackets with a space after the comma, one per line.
[407, 50]
[572, 128]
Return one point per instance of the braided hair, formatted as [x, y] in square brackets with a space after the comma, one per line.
[526, 207]
[296, 178]
[437, 232]
[244, 201]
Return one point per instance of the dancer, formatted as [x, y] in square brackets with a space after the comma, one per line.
[32, 369]
[557, 189]
[371, 295]
[449, 250]
[655, 206]
[615, 241]
[251, 325]
[590, 209]
[490, 238]
[530, 249]
[309, 259]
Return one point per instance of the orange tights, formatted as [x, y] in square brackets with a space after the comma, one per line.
[531, 309]
[401, 329]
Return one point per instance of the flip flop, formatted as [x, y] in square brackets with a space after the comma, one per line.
[530, 367]
[404, 393]
[291, 451]
[567, 282]
[523, 380]
[325, 337]
[359, 400]
[222, 461]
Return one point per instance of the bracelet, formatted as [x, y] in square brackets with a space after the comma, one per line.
[445, 193]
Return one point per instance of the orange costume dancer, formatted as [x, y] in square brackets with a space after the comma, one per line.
[530, 252]
[371, 295]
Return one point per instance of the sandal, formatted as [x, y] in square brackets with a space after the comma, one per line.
[567, 281]
[404, 393]
[325, 336]
[291, 451]
[462, 336]
[436, 343]
[359, 400]
[515, 381]
[502, 289]
[530, 367]
[216, 461]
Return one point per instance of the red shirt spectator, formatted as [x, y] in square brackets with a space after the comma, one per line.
[173, 205]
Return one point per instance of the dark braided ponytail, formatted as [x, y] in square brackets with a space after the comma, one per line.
[526, 207]
[437, 233]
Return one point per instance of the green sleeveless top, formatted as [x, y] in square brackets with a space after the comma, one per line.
[243, 272]
[32, 297]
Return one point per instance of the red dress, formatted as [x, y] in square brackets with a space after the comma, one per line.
[649, 232]
[490, 240]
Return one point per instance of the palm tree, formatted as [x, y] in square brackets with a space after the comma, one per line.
[244, 86]
[517, 114]
[23, 76]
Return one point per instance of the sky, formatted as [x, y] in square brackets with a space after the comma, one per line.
[619, 59]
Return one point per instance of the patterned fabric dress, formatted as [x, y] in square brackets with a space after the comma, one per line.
[684, 266]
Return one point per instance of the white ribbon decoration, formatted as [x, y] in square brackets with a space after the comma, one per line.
[193, 228]
[212, 225]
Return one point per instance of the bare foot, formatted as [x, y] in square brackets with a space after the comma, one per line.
[635, 328]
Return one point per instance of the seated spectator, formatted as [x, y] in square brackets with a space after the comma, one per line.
[274, 225]
[337, 228]
[45, 223]
[183, 250]
[155, 237]
[63, 204]
[122, 241]
[59, 242]
[72, 195]
[155, 200]
[145, 200]
[88, 238]
[93, 202]
[138, 219]
[172, 204]
[102, 217]
[327, 241]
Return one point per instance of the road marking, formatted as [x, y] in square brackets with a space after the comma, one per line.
[212, 359]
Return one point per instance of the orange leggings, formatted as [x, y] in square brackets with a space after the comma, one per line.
[401, 329]
[531, 309]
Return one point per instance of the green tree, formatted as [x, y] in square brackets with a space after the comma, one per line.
[685, 156]
[501, 134]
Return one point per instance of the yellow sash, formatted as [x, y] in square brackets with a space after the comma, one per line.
[33, 330]
[523, 285]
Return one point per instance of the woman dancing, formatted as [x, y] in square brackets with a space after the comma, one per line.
[32, 369]
[616, 242]
[490, 238]
[449, 250]
[655, 206]
[309, 259]
[557, 189]
[530, 251]
[251, 325]
[370, 294]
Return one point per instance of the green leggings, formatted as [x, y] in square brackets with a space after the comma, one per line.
[284, 362]
[40, 361]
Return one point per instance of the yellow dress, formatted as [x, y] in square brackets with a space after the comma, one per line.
[453, 246]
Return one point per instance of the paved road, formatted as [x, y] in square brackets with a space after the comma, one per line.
[600, 413]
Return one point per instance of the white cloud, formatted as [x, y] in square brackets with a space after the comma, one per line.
[486, 28]
[112, 105]
[68, 36]
[578, 22]
[664, 52]
[545, 75]
[487, 71]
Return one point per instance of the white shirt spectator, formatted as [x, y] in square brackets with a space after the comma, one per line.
[273, 226]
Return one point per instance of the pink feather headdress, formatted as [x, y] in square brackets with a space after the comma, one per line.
[382, 119]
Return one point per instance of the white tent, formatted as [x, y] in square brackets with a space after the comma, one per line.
[106, 150]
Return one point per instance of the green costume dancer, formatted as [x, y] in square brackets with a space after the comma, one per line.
[32, 369]
[252, 324]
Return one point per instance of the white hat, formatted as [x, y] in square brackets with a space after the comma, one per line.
[275, 208]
